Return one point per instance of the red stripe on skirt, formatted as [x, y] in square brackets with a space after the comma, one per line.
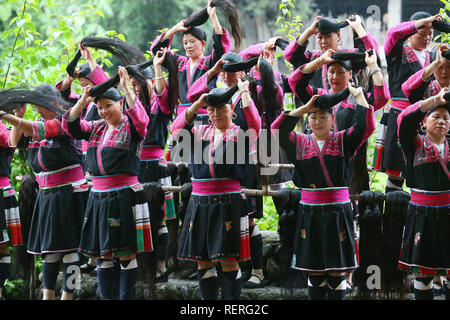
[112, 182]
[324, 196]
[60, 178]
[214, 186]
[151, 152]
[424, 198]
[4, 182]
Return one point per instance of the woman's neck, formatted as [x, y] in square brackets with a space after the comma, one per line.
[321, 138]
[336, 89]
[442, 84]
[222, 130]
[115, 124]
[195, 60]
[436, 139]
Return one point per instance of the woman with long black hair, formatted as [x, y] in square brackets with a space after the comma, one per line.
[215, 227]
[116, 222]
[324, 245]
[423, 132]
[406, 53]
[55, 158]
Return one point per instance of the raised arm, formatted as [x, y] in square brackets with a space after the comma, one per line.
[397, 35]
[282, 128]
[295, 53]
[71, 122]
[364, 125]
[380, 95]
[408, 120]
[414, 88]
[184, 119]
[136, 113]
[299, 79]
[248, 107]
[200, 86]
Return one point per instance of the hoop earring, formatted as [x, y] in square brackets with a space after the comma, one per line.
[210, 122]
[233, 116]
[423, 129]
[308, 127]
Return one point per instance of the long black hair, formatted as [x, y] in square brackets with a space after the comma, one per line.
[44, 95]
[269, 106]
[200, 17]
[135, 71]
[127, 53]
[170, 63]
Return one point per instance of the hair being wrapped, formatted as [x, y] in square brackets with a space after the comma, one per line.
[127, 53]
[200, 17]
[43, 96]
[136, 72]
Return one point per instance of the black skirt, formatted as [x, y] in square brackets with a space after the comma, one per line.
[426, 240]
[324, 238]
[57, 219]
[116, 223]
[215, 228]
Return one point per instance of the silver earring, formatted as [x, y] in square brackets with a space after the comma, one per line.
[308, 127]
[210, 122]
[233, 116]
[423, 129]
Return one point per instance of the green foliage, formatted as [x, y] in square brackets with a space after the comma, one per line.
[444, 37]
[14, 289]
[269, 221]
[37, 51]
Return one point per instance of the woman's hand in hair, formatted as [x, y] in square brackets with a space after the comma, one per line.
[358, 93]
[439, 58]
[311, 30]
[245, 93]
[86, 98]
[179, 27]
[216, 69]
[243, 85]
[355, 22]
[437, 100]
[160, 57]
[20, 113]
[426, 22]
[211, 10]
[86, 54]
[124, 78]
[270, 44]
[69, 80]
[309, 107]
[191, 111]
[371, 60]
[440, 100]
[325, 58]
[82, 103]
